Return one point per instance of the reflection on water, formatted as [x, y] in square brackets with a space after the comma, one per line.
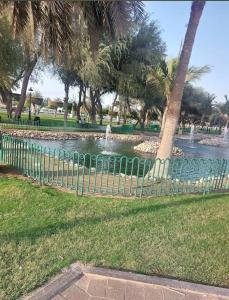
[125, 148]
[204, 151]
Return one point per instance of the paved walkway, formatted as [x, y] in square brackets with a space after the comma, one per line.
[83, 283]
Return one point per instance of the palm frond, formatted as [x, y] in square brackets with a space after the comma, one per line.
[111, 17]
[195, 73]
[122, 14]
[56, 25]
[20, 16]
[36, 15]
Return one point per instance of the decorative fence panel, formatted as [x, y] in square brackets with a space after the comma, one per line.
[114, 175]
[24, 126]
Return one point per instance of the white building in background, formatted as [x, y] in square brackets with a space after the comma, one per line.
[47, 110]
[60, 109]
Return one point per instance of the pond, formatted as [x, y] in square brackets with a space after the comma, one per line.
[120, 148]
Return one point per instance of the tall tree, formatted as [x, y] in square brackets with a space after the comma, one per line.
[164, 75]
[68, 77]
[69, 65]
[55, 18]
[30, 60]
[56, 21]
[10, 63]
[173, 111]
[221, 113]
[196, 106]
[145, 50]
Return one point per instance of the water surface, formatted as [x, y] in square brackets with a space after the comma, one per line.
[120, 148]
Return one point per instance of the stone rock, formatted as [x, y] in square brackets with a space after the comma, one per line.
[152, 147]
[216, 141]
[52, 135]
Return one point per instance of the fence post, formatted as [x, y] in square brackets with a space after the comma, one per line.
[1, 147]
[221, 176]
[114, 175]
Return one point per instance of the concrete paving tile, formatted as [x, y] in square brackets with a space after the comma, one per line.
[117, 285]
[83, 283]
[211, 297]
[195, 296]
[97, 287]
[134, 291]
[170, 294]
[203, 289]
[99, 298]
[116, 289]
[58, 297]
[153, 293]
[74, 293]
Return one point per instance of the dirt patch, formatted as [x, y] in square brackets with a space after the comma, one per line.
[8, 171]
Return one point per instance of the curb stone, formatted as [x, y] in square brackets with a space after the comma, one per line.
[69, 277]
[56, 285]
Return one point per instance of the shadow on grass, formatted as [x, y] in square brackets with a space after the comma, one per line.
[37, 232]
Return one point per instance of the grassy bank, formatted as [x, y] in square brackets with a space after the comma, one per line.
[51, 120]
[43, 230]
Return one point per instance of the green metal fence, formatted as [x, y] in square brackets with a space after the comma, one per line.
[112, 175]
[57, 124]
[186, 130]
[50, 128]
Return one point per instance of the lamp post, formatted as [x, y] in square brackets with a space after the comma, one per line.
[30, 96]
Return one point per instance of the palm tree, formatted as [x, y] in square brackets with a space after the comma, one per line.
[221, 113]
[55, 19]
[11, 62]
[54, 22]
[206, 107]
[164, 77]
[225, 110]
[174, 105]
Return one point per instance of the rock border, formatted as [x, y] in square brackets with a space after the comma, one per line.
[152, 146]
[214, 142]
[48, 135]
[77, 270]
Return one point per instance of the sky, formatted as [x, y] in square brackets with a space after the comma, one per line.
[211, 45]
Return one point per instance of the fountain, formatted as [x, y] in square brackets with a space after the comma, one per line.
[108, 142]
[225, 134]
[191, 135]
[108, 132]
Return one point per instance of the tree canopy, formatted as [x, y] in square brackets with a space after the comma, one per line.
[10, 55]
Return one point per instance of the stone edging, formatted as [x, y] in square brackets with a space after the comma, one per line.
[56, 285]
[156, 280]
[77, 270]
[50, 135]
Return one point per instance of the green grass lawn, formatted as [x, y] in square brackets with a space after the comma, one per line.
[46, 119]
[42, 230]
[50, 119]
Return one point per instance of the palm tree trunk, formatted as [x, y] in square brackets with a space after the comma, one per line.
[112, 108]
[100, 110]
[147, 118]
[174, 105]
[66, 89]
[93, 107]
[9, 107]
[202, 120]
[79, 103]
[24, 86]
[163, 122]
[227, 123]
[7, 100]
[124, 114]
[143, 118]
